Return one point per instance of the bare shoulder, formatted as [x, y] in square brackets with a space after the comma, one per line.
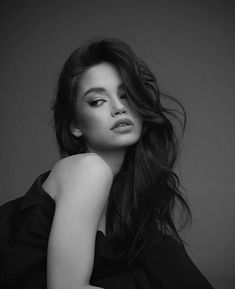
[81, 165]
[70, 171]
[81, 161]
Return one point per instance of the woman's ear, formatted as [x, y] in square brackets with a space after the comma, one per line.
[75, 130]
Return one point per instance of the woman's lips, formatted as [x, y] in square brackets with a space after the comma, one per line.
[122, 123]
[123, 128]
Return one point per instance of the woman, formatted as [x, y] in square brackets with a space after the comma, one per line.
[105, 212]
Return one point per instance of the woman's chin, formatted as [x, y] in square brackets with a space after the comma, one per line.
[124, 144]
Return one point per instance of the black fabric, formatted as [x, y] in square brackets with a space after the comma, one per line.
[25, 225]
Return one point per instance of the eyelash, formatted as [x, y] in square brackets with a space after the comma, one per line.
[95, 102]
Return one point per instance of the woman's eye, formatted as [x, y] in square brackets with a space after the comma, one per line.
[96, 102]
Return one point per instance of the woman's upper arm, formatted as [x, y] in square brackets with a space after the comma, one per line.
[82, 191]
[80, 184]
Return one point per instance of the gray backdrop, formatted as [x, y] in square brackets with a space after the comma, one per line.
[190, 47]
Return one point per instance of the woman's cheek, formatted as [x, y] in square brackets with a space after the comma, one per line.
[89, 123]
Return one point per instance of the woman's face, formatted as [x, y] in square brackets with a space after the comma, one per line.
[104, 116]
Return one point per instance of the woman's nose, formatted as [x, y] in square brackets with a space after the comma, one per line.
[118, 108]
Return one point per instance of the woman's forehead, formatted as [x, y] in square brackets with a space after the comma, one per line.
[103, 75]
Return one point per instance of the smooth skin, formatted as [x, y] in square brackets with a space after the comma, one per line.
[80, 184]
[77, 215]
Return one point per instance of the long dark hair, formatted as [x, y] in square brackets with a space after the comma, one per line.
[146, 189]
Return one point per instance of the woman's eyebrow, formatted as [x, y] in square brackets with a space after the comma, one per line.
[101, 89]
[94, 89]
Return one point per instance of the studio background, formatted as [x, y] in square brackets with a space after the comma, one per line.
[189, 45]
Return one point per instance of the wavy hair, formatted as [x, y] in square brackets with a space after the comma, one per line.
[146, 190]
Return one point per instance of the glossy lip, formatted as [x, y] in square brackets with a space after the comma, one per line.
[122, 121]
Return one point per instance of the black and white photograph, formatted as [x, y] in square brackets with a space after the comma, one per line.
[117, 146]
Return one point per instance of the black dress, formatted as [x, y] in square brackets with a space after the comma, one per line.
[24, 229]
